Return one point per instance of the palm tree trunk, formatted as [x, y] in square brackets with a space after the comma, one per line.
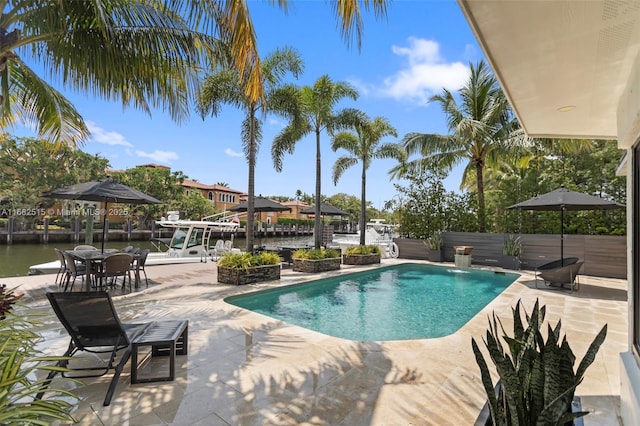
[251, 184]
[481, 205]
[317, 226]
[363, 206]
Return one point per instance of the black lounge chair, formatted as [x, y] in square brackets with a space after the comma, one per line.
[553, 274]
[93, 324]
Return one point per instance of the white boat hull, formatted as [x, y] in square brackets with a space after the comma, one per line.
[152, 259]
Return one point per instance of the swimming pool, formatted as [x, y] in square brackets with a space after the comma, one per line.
[400, 302]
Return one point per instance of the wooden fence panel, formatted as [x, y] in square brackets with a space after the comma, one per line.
[604, 255]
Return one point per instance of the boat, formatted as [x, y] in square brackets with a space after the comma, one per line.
[190, 242]
[372, 237]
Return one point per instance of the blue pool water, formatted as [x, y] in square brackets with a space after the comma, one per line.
[407, 301]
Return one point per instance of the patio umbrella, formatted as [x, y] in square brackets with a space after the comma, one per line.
[106, 191]
[261, 204]
[325, 210]
[564, 199]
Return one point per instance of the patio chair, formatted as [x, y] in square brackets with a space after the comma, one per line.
[114, 266]
[561, 275]
[139, 264]
[61, 275]
[93, 325]
[218, 250]
[73, 271]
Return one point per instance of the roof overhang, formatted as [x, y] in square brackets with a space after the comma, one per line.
[563, 65]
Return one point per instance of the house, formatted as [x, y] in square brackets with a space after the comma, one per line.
[220, 196]
[571, 69]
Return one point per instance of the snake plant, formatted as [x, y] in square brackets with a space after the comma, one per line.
[537, 380]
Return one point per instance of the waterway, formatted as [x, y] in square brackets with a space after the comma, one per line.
[15, 259]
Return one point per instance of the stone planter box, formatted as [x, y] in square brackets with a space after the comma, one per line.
[509, 262]
[240, 276]
[360, 259]
[436, 255]
[314, 266]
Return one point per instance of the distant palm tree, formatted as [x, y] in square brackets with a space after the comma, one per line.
[223, 184]
[314, 114]
[364, 146]
[226, 86]
[140, 52]
[480, 132]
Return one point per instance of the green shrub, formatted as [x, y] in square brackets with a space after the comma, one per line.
[366, 249]
[435, 241]
[537, 381]
[315, 254]
[248, 260]
[512, 246]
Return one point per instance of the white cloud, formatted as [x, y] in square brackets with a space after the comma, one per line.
[274, 122]
[158, 156]
[232, 153]
[106, 137]
[426, 73]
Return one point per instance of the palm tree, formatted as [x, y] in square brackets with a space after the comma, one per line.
[140, 52]
[314, 114]
[226, 86]
[480, 132]
[364, 145]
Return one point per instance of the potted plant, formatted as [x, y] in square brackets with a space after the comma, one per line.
[246, 268]
[316, 260]
[537, 381]
[362, 255]
[435, 244]
[511, 251]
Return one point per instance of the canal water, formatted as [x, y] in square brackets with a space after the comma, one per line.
[15, 259]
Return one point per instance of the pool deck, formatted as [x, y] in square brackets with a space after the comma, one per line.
[244, 368]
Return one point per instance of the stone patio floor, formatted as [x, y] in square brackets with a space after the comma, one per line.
[244, 368]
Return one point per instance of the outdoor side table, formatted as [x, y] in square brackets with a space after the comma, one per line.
[166, 339]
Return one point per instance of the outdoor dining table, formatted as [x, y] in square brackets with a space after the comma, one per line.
[94, 258]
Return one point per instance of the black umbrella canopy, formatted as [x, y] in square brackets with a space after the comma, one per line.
[563, 199]
[106, 191]
[325, 210]
[261, 204]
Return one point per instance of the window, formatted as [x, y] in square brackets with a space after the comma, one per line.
[210, 195]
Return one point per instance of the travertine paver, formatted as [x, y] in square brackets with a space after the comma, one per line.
[247, 369]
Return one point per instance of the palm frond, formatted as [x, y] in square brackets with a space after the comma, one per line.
[33, 101]
[341, 165]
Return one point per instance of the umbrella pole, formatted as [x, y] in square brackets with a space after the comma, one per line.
[562, 237]
[104, 226]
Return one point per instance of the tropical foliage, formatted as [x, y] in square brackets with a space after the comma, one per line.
[481, 130]
[363, 249]
[435, 241]
[315, 254]
[313, 114]
[225, 86]
[30, 166]
[145, 54]
[247, 260]
[537, 380]
[427, 207]
[20, 365]
[512, 245]
[363, 143]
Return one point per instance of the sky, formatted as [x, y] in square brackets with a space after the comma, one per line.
[420, 48]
